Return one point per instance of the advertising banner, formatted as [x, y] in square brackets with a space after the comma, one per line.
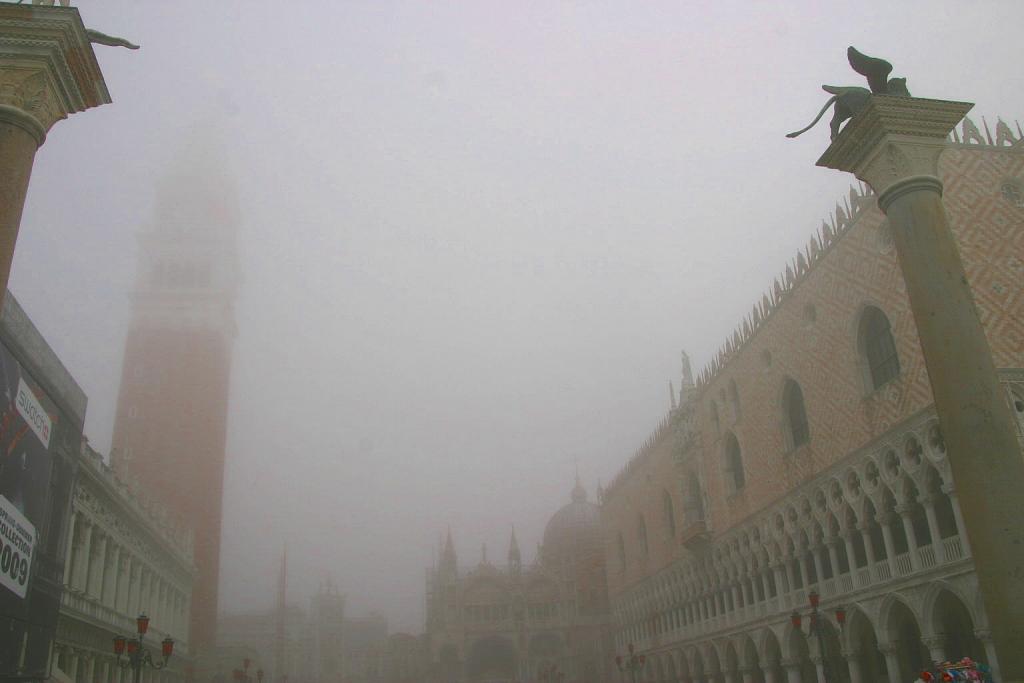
[17, 548]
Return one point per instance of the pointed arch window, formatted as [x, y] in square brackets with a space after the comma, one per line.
[733, 464]
[641, 534]
[669, 512]
[878, 348]
[795, 415]
[714, 416]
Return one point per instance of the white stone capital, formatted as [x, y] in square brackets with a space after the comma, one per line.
[895, 142]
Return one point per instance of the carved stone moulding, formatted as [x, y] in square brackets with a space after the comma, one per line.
[894, 138]
[48, 69]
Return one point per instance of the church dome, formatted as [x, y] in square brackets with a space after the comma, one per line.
[575, 527]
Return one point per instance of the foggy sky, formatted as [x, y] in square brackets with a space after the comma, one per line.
[475, 237]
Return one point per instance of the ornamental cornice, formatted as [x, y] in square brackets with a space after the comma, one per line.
[894, 138]
[48, 68]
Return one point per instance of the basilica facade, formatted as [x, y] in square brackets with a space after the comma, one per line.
[794, 517]
[545, 621]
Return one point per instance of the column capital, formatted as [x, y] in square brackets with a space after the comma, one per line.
[895, 141]
[48, 69]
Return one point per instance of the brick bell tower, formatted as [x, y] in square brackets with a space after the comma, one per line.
[171, 424]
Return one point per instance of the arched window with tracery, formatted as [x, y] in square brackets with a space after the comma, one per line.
[669, 512]
[713, 409]
[641, 534]
[798, 431]
[878, 348]
[733, 464]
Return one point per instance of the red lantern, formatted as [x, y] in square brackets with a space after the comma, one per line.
[794, 619]
[133, 646]
[642, 660]
[841, 615]
[143, 623]
[926, 676]
[814, 599]
[118, 645]
[167, 647]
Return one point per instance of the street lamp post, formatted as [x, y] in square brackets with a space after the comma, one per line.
[138, 655]
[632, 663]
[813, 598]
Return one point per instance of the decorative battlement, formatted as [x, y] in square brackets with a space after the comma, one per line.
[837, 224]
[644, 451]
[846, 213]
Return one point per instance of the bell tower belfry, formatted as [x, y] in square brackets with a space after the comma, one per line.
[171, 426]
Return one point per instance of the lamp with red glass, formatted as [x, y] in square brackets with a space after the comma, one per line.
[138, 655]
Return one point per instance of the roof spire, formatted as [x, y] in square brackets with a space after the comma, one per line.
[515, 562]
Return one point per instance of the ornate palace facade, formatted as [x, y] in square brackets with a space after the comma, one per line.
[124, 557]
[808, 457]
[525, 622]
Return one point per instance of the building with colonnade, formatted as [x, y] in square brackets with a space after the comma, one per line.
[808, 457]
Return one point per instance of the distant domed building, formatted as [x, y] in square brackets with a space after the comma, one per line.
[516, 623]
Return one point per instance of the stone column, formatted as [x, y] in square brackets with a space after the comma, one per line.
[936, 647]
[890, 547]
[990, 654]
[790, 581]
[894, 145]
[892, 663]
[84, 551]
[792, 671]
[833, 558]
[933, 526]
[748, 674]
[70, 550]
[47, 71]
[99, 566]
[851, 551]
[958, 517]
[852, 658]
[908, 530]
[819, 668]
[819, 568]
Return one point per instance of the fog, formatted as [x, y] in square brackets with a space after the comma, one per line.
[475, 237]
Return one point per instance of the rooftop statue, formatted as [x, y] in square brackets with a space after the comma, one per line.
[851, 99]
[94, 36]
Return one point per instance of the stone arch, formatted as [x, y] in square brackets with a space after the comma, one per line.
[713, 660]
[798, 653]
[770, 654]
[900, 628]
[861, 642]
[697, 668]
[950, 623]
[684, 665]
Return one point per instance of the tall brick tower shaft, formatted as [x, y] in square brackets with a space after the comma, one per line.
[171, 424]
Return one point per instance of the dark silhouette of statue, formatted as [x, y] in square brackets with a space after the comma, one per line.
[849, 100]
